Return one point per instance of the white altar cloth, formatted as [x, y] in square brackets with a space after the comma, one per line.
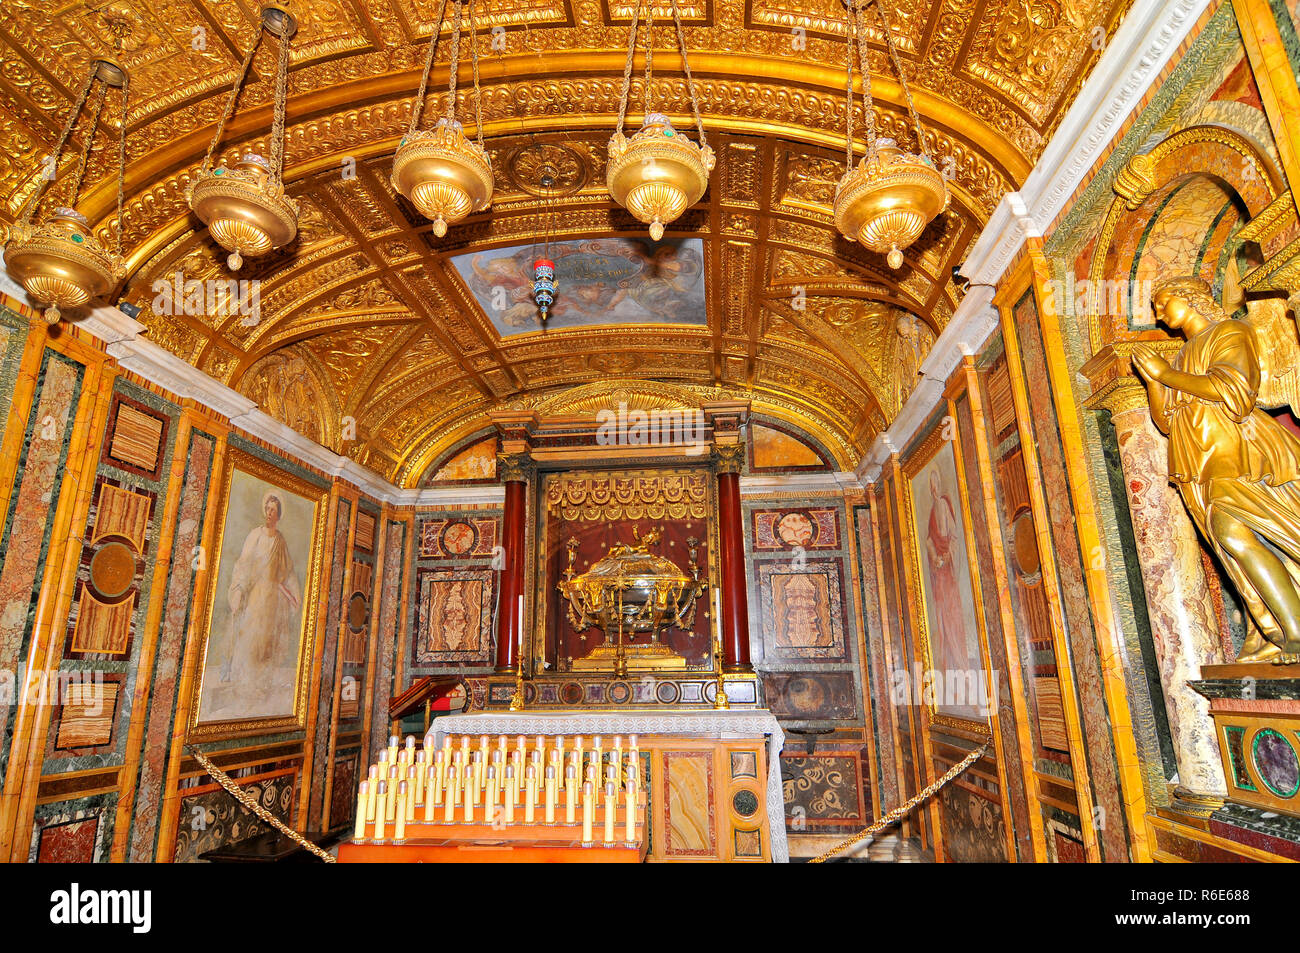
[729, 723]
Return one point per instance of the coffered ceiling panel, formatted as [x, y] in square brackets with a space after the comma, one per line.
[367, 336]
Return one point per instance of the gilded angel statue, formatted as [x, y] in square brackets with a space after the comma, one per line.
[1236, 468]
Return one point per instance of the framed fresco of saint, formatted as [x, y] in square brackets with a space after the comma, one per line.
[265, 569]
[949, 621]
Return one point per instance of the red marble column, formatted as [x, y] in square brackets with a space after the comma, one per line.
[512, 574]
[731, 543]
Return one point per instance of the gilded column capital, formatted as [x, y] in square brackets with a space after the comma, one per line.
[729, 458]
[513, 467]
[1119, 396]
[1115, 387]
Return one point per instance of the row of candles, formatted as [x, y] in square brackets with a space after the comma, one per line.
[490, 783]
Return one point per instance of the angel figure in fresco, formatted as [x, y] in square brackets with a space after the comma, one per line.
[505, 284]
[666, 284]
[264, 596]
[940, 551]
[1236, 468]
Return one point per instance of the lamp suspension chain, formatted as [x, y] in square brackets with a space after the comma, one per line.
[417, 108]
[868, 104]
[902, 80]
[45, 179]
[454, 67]
[850, 29]
[627, 67]
[230, 103]
[649, 55]
[686, 67]
[121, 166]
[478, 95]
[277, 123]
[79, 179]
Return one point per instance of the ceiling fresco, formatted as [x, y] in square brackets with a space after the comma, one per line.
[383, 342]
[605, 280]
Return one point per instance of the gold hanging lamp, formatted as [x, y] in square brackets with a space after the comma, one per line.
[657, 173]
[885, 201]
[60, 262]
[245, 207]
[445, 174]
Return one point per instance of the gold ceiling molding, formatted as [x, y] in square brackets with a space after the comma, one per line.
[775, 94]
[318, 145]
[310, 296]
[590, 399]
[332, 51]
[990, 79]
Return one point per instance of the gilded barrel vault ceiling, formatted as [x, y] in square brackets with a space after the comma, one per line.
[369, 340]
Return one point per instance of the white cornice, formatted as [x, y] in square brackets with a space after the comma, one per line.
[1147, 38]
[813, 484]
[125, 342]
[971, 324]
[445, 496]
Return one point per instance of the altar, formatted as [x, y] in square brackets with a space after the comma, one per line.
[714, 776]
[622, 680]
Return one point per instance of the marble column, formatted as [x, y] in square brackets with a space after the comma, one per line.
[1184, 626]
[513, 525]
[731, 543]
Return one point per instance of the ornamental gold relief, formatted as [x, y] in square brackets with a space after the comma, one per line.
[1016, 59]
[374, 126]
[434, 361]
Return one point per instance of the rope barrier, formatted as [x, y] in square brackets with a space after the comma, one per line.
[250, 802]
[898, 813]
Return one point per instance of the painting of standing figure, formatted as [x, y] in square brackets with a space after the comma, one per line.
[254, 660]
[949, 626]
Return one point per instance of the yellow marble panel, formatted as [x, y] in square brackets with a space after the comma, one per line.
[689, 823]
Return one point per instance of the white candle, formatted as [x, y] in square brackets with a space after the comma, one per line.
[631, 812]
[362, 796]
[512, 793]
[371, 792]
[550, 794]
[379, 814]
[611, 799]
[399, 825]
[570, 793]
[530, 794]
[588, 812]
